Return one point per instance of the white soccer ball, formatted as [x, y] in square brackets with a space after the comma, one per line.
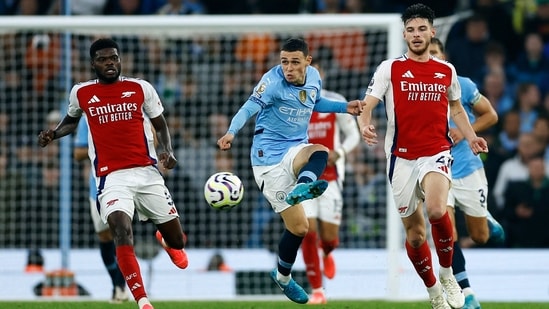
[223, 190]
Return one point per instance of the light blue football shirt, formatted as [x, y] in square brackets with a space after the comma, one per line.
[465, 161]
[283, 114]
[81, 140]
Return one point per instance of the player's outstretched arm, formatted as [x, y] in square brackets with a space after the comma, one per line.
[65, 127]
[166, 157]
[457, 112]
[367, 129]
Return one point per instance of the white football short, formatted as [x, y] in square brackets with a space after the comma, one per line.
[327, 207]
[140, 189]
[407, 176]
[98, 223]
[470, 194]
[276, 181]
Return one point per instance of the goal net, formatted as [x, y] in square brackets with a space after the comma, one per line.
[204, 68]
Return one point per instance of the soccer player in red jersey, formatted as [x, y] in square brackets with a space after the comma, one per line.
[120, 111]
[420, 92]
[339, 133]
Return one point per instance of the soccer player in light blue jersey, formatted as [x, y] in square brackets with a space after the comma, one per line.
[469, 188]
[286, 166]
[106, 242]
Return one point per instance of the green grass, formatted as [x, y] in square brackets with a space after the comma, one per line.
[253, 304]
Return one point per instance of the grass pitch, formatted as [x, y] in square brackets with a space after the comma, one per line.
[249, 305]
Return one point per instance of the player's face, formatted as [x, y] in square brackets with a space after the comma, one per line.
[294, 65]
[435, 51]
[106, 65]
[418, 33]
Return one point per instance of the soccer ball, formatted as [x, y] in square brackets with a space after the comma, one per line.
[223, 190]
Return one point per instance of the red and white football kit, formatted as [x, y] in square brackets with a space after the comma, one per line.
[416, 96]
[326, 129]
[121, 146]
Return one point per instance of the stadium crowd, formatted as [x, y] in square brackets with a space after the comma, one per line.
[502, 45]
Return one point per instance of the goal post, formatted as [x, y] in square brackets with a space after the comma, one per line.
[204, 68]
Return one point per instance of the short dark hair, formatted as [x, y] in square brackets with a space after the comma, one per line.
[101, 44]
[418, 10]
[296, 44]
[439, 43]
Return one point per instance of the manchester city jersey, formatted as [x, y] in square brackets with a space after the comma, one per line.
[465, 161]
[285, 112]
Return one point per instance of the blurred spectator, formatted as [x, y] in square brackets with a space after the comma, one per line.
[527, 208]
[515, 169]
[42, 60]
[541, 132]
[79, 7]
[467, 52]
[500, 24]
[528, 104]
[25, 7]
[539, 22]
[503, 146]
[495, 88]
[181, 7]
[532, 65]
[495, 60]
[522, 9]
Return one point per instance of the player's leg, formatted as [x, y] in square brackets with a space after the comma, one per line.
[436, 184]
[120, 224]
[153, 201]
[309, 248]
[308, 164]
[402, 174]
[108, 255]
[330, 220]
[272, 180]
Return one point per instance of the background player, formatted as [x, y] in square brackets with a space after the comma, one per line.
[286, 166]
[120, 111]
[106, 242]
[339, 133]
[469, 188]
[419, 93]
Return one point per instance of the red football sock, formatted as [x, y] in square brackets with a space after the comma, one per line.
[312, 260]
[443, 237]
[422, 261]
[127, 262]
[329, 246]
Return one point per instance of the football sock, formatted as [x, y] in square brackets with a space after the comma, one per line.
[314, 168]
[329, 246]
[443, 238]
[458, 266]
[422, 261]
[108, 255]
[287, 251]
[127, 262]
[312, 260]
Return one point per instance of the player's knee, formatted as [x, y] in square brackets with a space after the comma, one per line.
[175, 243]
[415, 240]
[480, 237]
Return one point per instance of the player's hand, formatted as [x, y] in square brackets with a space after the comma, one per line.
[369, 134]
[332, 157]
[167, 160]
[478, 145]
[355, 107]
[45, 137]
[225, 141]
[456, 135]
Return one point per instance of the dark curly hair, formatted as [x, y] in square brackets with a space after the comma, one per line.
[100, 44]
[418, 10]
